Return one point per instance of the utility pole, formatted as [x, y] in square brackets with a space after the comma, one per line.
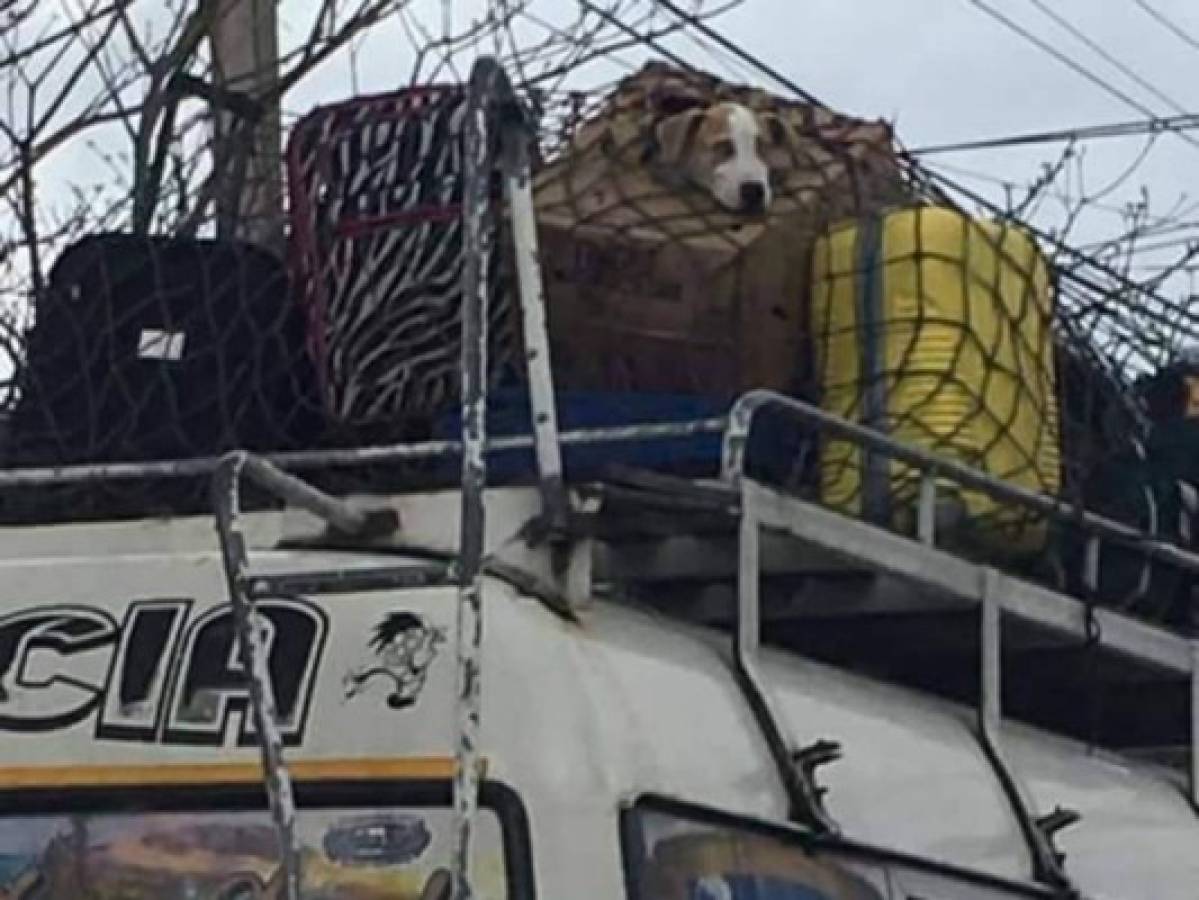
[244, 38]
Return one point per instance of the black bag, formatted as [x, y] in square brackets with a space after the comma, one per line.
[149, 348]
[1147, 490]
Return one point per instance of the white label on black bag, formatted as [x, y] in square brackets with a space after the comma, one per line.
[156, 344]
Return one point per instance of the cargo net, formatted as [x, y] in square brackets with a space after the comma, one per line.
[151, 349]
[677, 214]
[936, 329]
[699, 239]
[702, 239]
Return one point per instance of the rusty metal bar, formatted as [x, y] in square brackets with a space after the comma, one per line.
[227, 503]
[488, 87]
[347, 458]
[341, 515]
[226, 496]
[519, 178]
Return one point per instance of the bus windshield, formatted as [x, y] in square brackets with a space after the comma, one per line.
[347, 853]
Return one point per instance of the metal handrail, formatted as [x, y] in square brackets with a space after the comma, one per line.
[748, 406]
[308, 460]
[226, 497]
[1047, 862]
[488, 89]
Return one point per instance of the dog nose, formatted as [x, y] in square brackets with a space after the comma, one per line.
[753, 196]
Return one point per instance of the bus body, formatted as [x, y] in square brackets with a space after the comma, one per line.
[620, 757]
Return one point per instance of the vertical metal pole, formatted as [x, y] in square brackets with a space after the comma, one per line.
[1046, 866]
[804, 799]
[1090, 566]
[749, 601]
[479, 145]
[532, 304]
[991, 704]
[249, 627]
[926, 511]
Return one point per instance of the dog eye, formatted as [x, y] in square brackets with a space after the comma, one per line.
[724, 149]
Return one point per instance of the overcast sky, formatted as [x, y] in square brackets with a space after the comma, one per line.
[945, 71]
[941, 70]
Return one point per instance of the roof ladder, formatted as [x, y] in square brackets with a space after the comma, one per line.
[245, 588]
[495, 135]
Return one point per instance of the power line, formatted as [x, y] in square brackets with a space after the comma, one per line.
[1168, 23]
[1074, 64]
[938, 183]
[745, 56]
[1119, 279]
[1136, 128]
[1074, 30]
[1063, 58]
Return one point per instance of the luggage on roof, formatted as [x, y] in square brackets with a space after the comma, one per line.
[651, 286]
[152, 348]
[935, 329]
[376, 192]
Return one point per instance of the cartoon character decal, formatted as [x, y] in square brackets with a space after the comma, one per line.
[405, 646]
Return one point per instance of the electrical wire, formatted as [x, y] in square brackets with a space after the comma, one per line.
[1104, 54]
[1136, 128]
[937, 180]
[1074, 64]
[1168, 23]
[1063, 58]
[739, 52]
[1083, 275]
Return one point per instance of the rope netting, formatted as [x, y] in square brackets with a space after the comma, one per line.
[698, 239]
[698, 249]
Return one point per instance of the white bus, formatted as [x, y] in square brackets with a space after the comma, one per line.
[621, 758]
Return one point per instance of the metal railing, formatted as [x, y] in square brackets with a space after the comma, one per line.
[933, 467]
[986, 588]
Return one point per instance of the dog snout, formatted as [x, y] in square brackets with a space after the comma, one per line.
[753, 196]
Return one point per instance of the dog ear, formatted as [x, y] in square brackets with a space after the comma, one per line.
[673, 96]
[673, 137]
[785, 150]
[778, 132]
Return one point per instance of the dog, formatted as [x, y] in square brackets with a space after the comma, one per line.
[721, 149]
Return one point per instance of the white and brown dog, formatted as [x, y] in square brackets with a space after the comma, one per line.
[720, 149]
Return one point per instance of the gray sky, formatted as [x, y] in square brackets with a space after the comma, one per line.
[943, 71]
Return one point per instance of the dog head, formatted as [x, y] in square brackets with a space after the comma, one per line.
[720, 148]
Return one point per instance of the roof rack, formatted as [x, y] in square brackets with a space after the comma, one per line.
[977, 586]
